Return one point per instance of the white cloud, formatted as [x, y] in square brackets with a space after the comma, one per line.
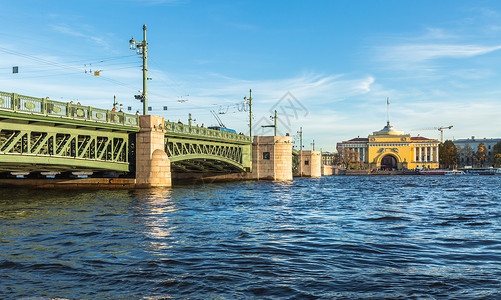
[427, 53]
[314, 88]
[420, 53]
[64, 29]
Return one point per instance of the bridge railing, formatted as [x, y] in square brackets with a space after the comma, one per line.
[205, 132]
[32, 105]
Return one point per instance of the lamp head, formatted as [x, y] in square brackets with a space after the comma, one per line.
[132, 43]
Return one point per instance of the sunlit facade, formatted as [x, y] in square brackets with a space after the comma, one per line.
[392, 149]
[328, 158]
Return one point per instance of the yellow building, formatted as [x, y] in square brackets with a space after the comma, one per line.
[392, 149]
[328, 158]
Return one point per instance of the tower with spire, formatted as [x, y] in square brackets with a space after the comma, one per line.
[388, 129]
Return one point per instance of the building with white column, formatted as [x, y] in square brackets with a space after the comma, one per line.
[392, 149]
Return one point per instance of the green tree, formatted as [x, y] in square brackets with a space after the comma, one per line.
[497, 154]
[481, 154]
[448, 154]
[336, 159]
[346, 157]
[467, 153]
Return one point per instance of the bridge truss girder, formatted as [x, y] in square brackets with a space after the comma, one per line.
[37, 146]
[200, 156]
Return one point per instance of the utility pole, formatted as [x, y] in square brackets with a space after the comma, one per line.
[142, 48]
[300, 132]
[300, 167]
[275, 119]
[145, 70]
[249, 101]
[313, 144]
[274, 124]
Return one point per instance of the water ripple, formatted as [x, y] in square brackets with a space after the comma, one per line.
[338, 237]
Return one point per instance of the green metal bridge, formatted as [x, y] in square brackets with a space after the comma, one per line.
[37, 135]
[196, 149]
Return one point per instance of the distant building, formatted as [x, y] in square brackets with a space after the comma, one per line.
[392, 149]
[468, 147]
[328, 158]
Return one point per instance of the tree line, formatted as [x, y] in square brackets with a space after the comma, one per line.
[450, 155]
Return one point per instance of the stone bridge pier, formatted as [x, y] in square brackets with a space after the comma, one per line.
[272, 157]
[152, 163]
[310, 163]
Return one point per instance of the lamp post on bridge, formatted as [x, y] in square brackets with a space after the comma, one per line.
[249, 101]
[300, 169]
[142, 49]
[274, 124]
[190, 120]
[300, 132]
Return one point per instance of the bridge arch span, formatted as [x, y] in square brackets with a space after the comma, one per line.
[205, 163]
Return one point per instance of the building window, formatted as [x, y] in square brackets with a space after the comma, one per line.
[306, 162]
[266, 155]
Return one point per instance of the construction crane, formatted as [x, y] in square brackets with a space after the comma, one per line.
[441, 129]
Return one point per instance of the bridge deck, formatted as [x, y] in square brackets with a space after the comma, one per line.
[14, 105]
[38, 134]
[201, 133]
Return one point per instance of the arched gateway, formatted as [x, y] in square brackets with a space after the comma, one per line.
[392, 149]
[388, 162]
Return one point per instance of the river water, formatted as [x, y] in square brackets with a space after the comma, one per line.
[337, 237]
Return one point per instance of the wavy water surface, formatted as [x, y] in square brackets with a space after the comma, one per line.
[338, 237]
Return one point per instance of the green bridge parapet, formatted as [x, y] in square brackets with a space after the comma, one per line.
[41, 106]
[179, 129]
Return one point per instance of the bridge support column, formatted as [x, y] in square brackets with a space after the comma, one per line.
[152, 163]
[272, 157]
[311, 163]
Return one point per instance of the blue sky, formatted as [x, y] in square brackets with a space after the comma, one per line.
[333, 63]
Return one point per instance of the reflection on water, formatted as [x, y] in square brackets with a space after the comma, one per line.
[334, 237]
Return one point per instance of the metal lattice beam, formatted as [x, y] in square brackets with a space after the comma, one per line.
[198, 155]
[40, 146]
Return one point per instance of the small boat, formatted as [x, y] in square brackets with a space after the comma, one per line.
[432, 172]
[441, 172]
[481, 172]
[454, 172]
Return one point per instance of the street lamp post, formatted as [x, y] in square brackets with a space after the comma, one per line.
[142, 49]
[300, 132]
[300, 169]
[249, 101]
[275, 122]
